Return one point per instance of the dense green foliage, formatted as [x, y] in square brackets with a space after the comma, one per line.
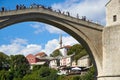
[4, 61]
[56, 53]
[44, 73]
[78, 50]
[90, 75]
[36, 67]
[19, 66]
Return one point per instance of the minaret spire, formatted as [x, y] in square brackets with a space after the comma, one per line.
[60, 39]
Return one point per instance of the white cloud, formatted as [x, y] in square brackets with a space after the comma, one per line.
[53, 29]
[20, 46]
[31, 49]
[69, 40]
[11, 49]
[54, 44]
[92, 9]
[41, 27]
[51, 46]
[19, 41]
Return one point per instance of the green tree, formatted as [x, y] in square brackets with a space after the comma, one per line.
[34, 75]
[56, 53]
[78, 50]
[2, 74]
[4, 61]
[6, 75]
[19, 66]
[44, 73]
[47, 74]
[90, 75]
[36, 67]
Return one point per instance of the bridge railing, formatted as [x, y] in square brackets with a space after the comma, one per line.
[33, 6]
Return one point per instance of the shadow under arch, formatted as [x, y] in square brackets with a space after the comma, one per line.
[59, 23]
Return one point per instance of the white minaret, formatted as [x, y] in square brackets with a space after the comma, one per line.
[60, 40]
[113, 13]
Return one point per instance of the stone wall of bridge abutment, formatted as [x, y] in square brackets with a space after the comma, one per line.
[111, 53]
[109, 78]
[87, 33]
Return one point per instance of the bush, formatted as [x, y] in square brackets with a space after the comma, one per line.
[76, 78]
[89, 75]
[6, 75]
[44, 73]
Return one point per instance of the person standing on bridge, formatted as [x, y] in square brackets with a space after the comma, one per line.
[20, 7]
[68, 13]
[17, 7]
[84, 18]
[59, 11]
[50, 8]
[3, 9]
[63, 13]
[23, 6]
[77, 16]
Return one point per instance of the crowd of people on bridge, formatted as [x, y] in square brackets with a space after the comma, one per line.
[19, 7]
[22, 6]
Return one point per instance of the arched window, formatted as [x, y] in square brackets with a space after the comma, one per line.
[114, 18]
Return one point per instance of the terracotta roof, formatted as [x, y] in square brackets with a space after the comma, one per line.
[29, 55]
[41, 54]
[67, 46]
[84, 57]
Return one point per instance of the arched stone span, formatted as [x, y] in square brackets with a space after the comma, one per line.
[87, 33]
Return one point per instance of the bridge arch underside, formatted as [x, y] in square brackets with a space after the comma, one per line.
[59, 23]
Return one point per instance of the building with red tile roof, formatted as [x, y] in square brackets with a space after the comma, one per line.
[32, 59]
[41, 54]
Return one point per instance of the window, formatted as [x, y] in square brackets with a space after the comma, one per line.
[114, 18]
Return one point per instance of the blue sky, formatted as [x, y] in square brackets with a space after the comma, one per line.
[27, 30]
[10, 4]
[33, 37]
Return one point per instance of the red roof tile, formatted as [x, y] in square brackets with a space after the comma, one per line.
[41, 54]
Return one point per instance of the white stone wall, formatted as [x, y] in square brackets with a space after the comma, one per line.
[83, 62]
[111, 51]
[68, 61]
[112, 8]
[63, 51]
[65, 61]
[53, 64]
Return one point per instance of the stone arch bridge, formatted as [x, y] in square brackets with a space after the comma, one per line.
[89, 34]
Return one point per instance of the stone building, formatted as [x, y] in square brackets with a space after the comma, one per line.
[41, 54]
[84, 61]
[32, 59]
[54, 62]
[113, 12]
[66, 60]
[38, 59]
